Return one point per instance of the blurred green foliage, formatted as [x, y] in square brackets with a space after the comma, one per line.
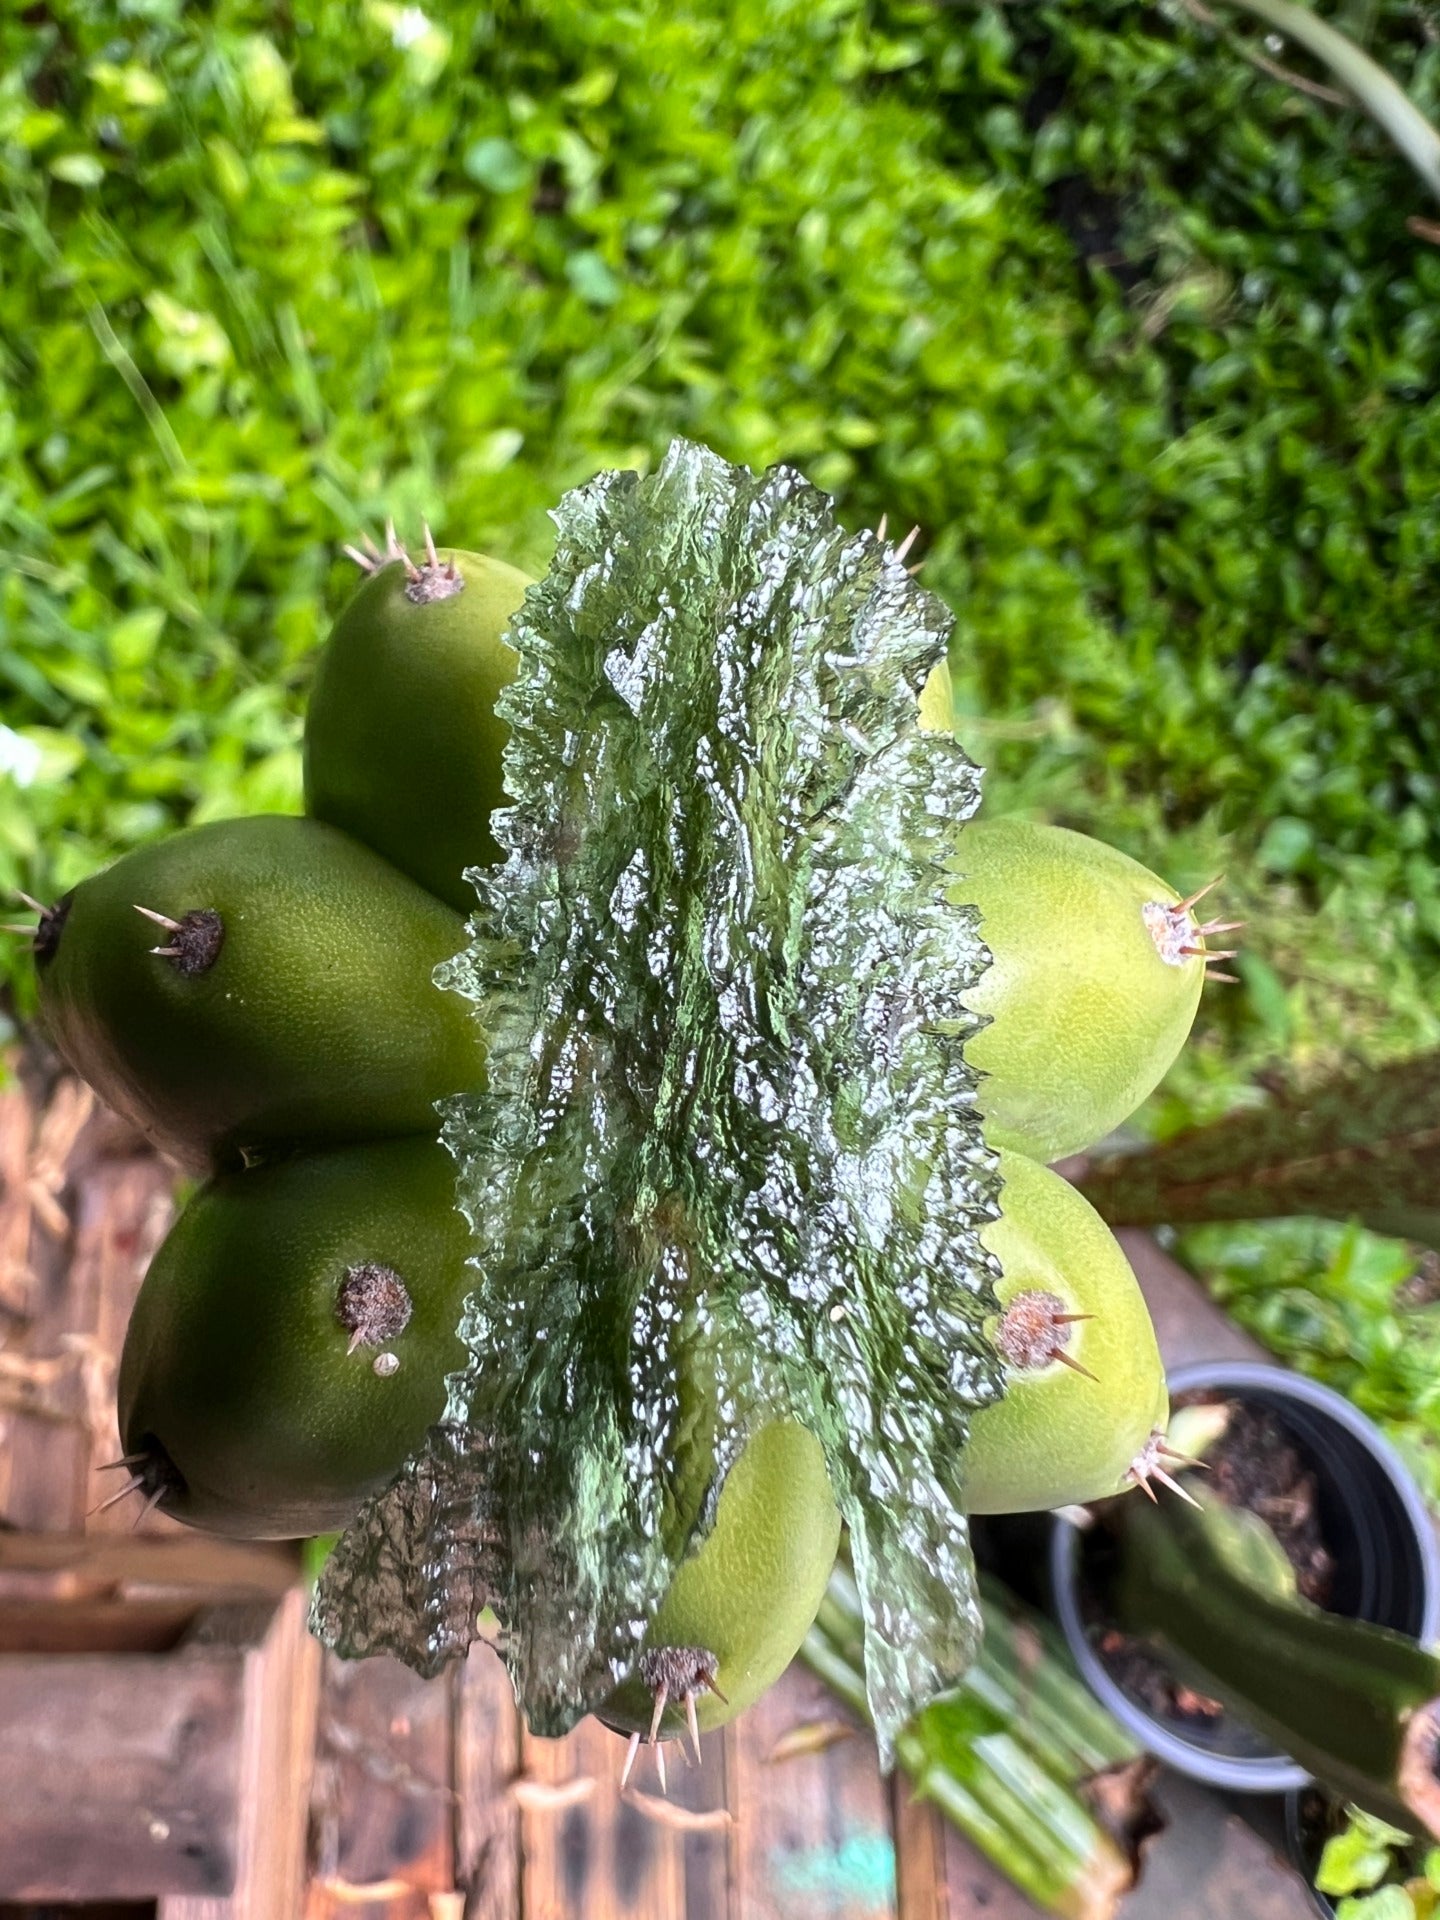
[1344, 1306]
[1136, 333]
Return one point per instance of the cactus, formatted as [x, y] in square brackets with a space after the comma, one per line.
[256, 985]
[1085, 1409]
[290, 1342]
[403, 745]
[1096, 970]
[1021, 1757]
[1356, 1704]
[739, 1606]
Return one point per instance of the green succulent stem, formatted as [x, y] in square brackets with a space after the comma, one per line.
[1358, 1705]
[1007, 1755]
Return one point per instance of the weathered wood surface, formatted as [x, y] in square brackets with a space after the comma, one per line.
[274, 1760]
[83, 1205]
[157, 1687]
[383, 1810]
[89, 1593]
[359, 1790]
[115, 1779]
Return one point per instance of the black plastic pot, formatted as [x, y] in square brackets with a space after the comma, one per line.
[1387, 1565]
[1304, 1848]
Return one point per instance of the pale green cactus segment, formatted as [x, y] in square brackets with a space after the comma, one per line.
[1085, 1395]
[725, 1002]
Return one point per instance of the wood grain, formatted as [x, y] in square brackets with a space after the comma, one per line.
[597, 1855]
[812, 1834]
[83, 1204]
[88, 1593]
[119, 1773]
[921, 1889]
[487, 1759]
[276, 1758]
[383, 1804]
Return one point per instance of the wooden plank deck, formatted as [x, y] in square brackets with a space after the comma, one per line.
[363, 1792]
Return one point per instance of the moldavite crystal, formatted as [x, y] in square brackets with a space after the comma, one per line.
[727, 1102]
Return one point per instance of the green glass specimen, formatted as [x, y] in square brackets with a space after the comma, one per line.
[725, 1001]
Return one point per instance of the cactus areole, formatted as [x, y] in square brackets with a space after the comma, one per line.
[719, 1252]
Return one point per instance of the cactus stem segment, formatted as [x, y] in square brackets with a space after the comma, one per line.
[1357, 1705]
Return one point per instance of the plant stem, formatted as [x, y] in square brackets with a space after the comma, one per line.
[1356, 1704]
[1007, 1755]
[1373, 88]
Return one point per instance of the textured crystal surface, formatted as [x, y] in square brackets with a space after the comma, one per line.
[728, 1155]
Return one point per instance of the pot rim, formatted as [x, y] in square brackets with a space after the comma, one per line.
[1261, 1774]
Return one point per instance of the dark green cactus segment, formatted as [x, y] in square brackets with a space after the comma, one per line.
[402, 743]
[272, 991]
[726, 1101]
[242, 1368]
[1359, 1705]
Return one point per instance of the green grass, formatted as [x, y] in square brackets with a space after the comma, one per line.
[1137, 334]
